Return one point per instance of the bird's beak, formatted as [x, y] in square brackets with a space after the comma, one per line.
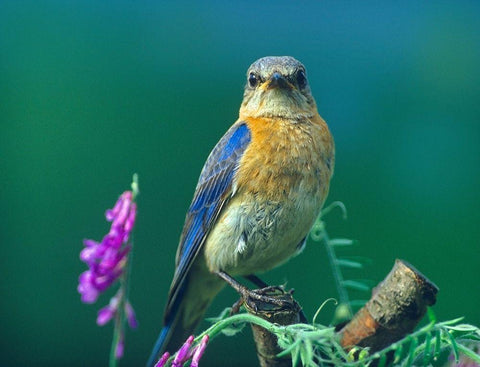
[277, 80]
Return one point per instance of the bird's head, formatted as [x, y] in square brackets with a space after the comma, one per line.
[277, 87]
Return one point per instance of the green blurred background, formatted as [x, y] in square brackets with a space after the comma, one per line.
[93, 91]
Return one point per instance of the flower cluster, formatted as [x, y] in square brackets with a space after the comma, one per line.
[107, 262]
[185, 353]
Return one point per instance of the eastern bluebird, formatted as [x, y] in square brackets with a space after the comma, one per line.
[258, 195]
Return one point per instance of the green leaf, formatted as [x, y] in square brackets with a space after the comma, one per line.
[290, 349]
[339, 350]
[427, 352]
[351, 354]
[233, 329]
[223, 315]
[295, 354]
[411, 352]
[349, 264]
[285, 340]
[453, 343]
[398, 353]
[341, 242]
[462, 327]
[474, 337]
[431, 315]
[295, 358]
[363, 354]
[306, 353]
[382, 359]
[355, 284]
[451, 322]
[438, 344]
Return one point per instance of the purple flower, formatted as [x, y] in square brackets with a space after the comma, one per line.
[163, 360]
[199, 351]
[131, 318]
[108, 312]
[185, 353]
[86, 288]
[107, 262]
[119, 348]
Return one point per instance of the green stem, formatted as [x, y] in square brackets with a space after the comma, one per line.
[116, 337]
[337, 273]
[217, 328]
[120, 317]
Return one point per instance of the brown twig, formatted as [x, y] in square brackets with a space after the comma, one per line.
[397, 304]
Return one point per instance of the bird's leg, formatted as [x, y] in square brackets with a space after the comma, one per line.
[253, 279]
[261, 295]
[241, 289]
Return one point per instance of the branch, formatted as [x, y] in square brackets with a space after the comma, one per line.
[397, 304]
[289, 312]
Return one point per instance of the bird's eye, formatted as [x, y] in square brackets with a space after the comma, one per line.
[301, 79]
[252, 80]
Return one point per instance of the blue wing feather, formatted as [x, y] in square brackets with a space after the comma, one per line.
[212, 192]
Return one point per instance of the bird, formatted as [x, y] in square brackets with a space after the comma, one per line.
[258, 195]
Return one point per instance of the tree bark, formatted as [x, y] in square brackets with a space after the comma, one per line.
[397, 304]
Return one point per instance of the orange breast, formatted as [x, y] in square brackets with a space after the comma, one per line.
[285, 156]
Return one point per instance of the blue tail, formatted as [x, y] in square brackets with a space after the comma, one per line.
[175, 332]
[159, 346]
[186, 312]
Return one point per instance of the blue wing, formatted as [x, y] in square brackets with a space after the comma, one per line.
[213, 191]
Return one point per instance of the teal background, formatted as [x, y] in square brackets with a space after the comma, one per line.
[93, 91]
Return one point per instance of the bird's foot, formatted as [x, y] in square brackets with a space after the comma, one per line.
[275, 297]
[268, 297]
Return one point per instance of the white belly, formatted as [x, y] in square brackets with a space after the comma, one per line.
[252, 236]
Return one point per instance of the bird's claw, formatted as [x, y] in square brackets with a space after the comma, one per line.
[236, 306]
[273, 289]
[272, 295]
